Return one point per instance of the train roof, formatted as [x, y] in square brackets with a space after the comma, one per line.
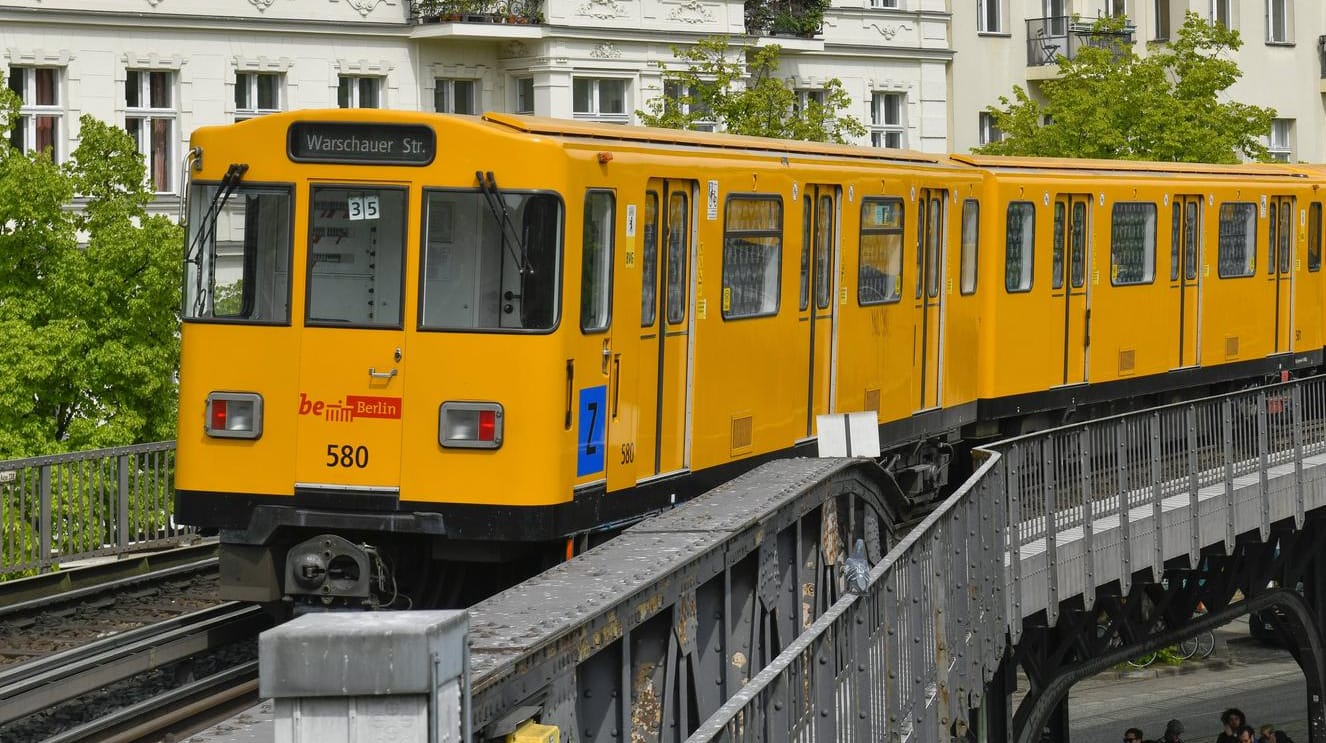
[1050, 165]
[570, 128]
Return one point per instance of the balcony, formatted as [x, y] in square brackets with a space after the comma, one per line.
[1050, 38]
[477, 11]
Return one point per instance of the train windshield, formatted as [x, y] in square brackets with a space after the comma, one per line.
[489, 270]
[237, 263]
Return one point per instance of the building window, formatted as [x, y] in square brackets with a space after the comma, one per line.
[684, 101]
[1280, 21]
[455, 96]
[600, 99]
[524, 95]
[1222, 13]
[989, 16]
[1280, 144]
[1116, 8]
[149, 117]
[40, 113]
[886, 127]
[989, 132]
[885, 3]
[355, 91]
[807, 96]
[256, 93]
[1163, 20]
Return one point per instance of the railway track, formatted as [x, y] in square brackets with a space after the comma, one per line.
[143, 656]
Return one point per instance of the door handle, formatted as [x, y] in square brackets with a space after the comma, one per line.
[381, 375]
[607, 354]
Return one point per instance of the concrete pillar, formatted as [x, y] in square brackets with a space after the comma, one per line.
[366, 677]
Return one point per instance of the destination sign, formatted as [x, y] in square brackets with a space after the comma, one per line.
[361, 144]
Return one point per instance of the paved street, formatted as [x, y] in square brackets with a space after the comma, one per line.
[1263, 681]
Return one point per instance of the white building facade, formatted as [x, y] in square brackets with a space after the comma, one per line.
[162, 68]
[1002, 43]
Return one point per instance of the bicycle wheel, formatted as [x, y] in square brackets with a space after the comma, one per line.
[1205, 644]
[1143, 660]
[1187, 648]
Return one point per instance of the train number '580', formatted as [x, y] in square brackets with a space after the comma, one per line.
[346, 455]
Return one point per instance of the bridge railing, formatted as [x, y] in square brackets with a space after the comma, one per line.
[909, 656]
[64, 507]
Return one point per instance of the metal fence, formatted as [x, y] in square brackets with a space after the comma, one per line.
[1066, 36]
[909, 657]
[64, 507]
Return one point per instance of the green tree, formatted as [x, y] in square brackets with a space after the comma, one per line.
[742, 92]
[88, 297]
[1109, 102]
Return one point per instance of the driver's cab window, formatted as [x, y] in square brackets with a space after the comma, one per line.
[355, 256]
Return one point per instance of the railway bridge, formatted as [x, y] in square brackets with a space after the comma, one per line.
[747, 615]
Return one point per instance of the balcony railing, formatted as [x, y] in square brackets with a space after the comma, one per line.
[804, 18]
[1063, 36]
[476, 11]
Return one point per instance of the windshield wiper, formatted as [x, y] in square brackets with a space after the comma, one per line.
[498, 206]
[229, 182]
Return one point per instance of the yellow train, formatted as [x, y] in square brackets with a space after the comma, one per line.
[413, 341]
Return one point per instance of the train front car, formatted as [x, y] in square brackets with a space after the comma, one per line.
[372, 376]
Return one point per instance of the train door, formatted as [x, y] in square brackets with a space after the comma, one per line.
[1185, 255]
[662, 390]
[1072, 246]
[1280, 220]
[352, 354]
[929, 277]
[818, 259]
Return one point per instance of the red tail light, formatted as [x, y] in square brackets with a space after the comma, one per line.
[218, 421]
[487, 425]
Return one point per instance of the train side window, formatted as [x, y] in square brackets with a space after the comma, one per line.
[1238, 240]
[475, 277]
[238, 262]
[1019, 246]
[807, 232]
[920, 245]
[1314, 236]
[679, 246]
[1175, 229]
[1133, 243]
[752, 255]
[971, 229]
[879, 277]
[1057, 274]
[649, 266]
[596, 261]
[824, 252]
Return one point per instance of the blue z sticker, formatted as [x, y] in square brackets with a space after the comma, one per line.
[589, 438]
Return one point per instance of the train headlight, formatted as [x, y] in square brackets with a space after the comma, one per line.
[234, 415]
[470, 425]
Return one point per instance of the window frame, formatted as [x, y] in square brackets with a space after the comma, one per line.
[307, 272]
[1030, 259]
[683, 100]
[1280, 140]
[518, 85]
[1164, 19]
[145, 113]
[1223, 7]
[354, 91]
[966, 288]
[595, 99]
[448, 86]
[1283, 11]
[777, 232]
[29, 112]
[1220, 239]
[880, 128]
[1149, 241]
[1314, 236]
[250, 78]
[985, 9]
[611, 253]
[900, 231]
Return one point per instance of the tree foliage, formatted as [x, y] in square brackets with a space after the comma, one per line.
[88, 297]
[1109, 102]
[741, 91]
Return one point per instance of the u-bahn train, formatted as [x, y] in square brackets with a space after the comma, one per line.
[413, 342]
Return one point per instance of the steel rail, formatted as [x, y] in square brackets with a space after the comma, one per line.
[71, 585]
[50, 680]
[171, 711]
